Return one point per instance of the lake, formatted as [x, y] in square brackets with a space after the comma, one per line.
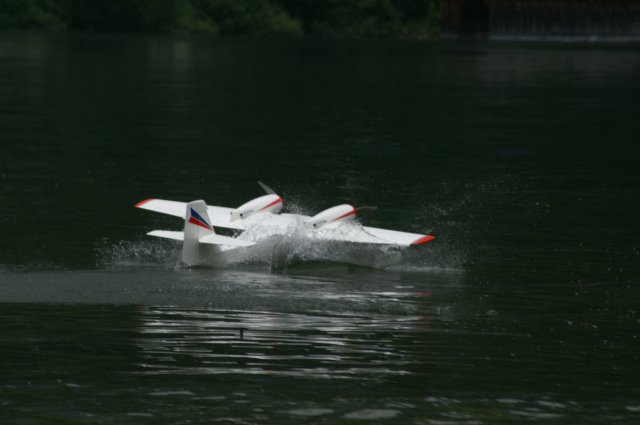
[522, 159]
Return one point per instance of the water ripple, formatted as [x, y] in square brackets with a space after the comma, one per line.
[181, 341]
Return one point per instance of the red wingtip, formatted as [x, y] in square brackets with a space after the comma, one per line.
[141, 203]
[422, 240]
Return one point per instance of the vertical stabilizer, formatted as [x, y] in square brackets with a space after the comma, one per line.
[196, 225]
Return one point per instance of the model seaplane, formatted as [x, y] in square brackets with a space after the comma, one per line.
[259, 219]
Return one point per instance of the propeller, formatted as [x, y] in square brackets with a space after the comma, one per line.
[367, 207]
[267, 188]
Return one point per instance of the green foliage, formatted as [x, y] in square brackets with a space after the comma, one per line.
[192, 20]
[353, 18]
[433, 17]
[248, 17]
[123, 15]
[361, 18]
[30, 14]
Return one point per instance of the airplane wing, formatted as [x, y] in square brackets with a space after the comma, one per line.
[263, 225]
[398, 238]
[356, 233]
[178, 209]
[220, 216]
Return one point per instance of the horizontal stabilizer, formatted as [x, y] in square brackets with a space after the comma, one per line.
[212, 239]
[224, 240]
[176, 236]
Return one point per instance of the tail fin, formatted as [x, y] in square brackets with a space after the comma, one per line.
[196, 225]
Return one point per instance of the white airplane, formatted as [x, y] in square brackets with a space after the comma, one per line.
[259, 219]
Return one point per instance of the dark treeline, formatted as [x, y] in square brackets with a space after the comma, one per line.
[354, 18]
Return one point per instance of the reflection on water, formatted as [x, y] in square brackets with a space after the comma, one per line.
[332, 346]
[338, 346]
[237, 344]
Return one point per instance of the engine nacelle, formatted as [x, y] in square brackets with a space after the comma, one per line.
[337, 214]
[267, 203]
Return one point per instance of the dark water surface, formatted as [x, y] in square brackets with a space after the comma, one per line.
[521, 159]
